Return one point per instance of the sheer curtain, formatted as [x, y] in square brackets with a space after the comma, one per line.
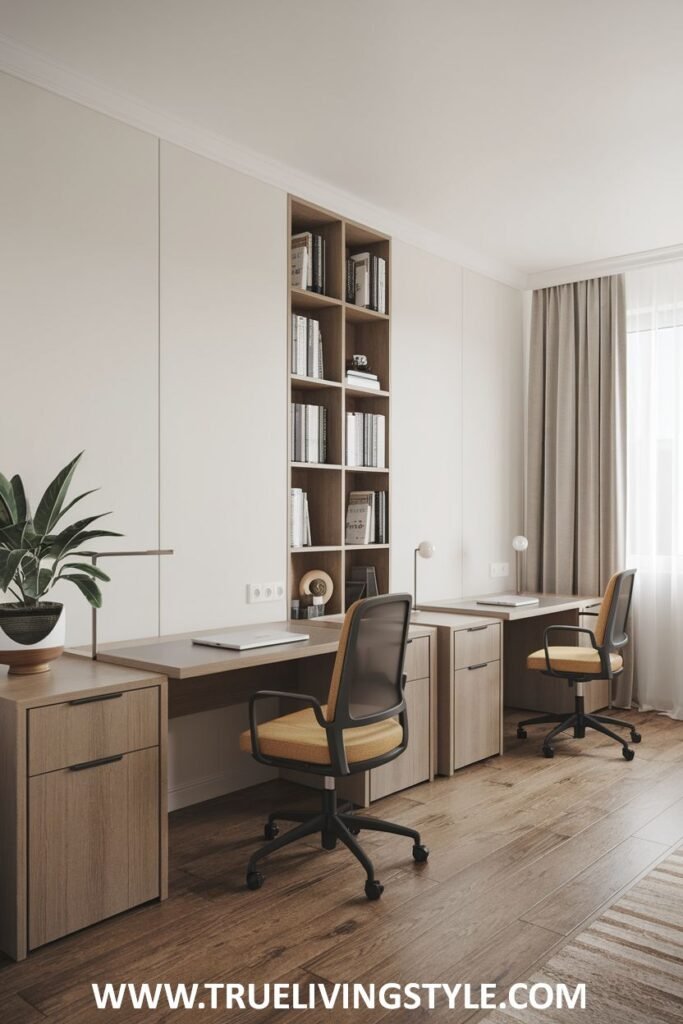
[654, 518]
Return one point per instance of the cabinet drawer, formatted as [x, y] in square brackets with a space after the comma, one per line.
[476, 713]
[61, 735]
[413, 764]
[475, 645]
[417, 658]
[93, 843]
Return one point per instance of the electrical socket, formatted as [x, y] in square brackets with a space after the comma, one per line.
[254, 593]
[273, 591]
[499, 570]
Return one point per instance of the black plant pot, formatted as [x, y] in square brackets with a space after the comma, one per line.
[31, 637]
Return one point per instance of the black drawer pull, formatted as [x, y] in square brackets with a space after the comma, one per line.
[475, 629]
[482, 664]
[95, 764]
[93, 700]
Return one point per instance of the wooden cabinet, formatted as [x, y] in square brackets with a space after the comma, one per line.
[82, 799]
[470, 688]
[93, 843]
[412, 766]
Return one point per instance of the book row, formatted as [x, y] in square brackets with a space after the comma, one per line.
[367, 518]
[366, 281]
[307, 261]
[366, 439]
[307, 347]
[299, 519]
[308, 432]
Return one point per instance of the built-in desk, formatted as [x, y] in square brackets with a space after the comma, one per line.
[523, 630]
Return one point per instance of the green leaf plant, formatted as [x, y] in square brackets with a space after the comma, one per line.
[36, 551]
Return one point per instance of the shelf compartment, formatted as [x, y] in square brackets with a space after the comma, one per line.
[364, 392]
[324, 505]
[370, 339]
[356, 479]
[308, 217]
[360, 239]
[331, 562]
[379, 557]
[332, 332]
[331, 399]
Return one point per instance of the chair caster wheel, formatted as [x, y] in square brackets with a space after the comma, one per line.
[271, 831]
[628, 753]
[354, 830]
[373, 890]
[254, 880]
[328, 841]
[521, 733]
[548, 752]
[635, 737]
[420, 853]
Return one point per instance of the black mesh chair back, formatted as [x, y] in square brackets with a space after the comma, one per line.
[614, 613]
[367, 682]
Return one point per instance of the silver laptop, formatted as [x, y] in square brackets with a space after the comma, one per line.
[246, 639]
[508, 600]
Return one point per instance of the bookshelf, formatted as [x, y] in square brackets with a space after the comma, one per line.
[346, 329]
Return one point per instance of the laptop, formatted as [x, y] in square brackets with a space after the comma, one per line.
[247, 639]
[509, 600]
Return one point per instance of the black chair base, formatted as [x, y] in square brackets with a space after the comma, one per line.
[333, 823]
[579, 722]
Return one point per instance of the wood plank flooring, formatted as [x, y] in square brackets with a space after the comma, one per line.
[525, 852]
[630, 959]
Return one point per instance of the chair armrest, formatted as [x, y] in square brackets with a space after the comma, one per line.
[303, 698]
[569, 629]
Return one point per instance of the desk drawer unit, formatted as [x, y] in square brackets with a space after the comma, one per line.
[90, 728]
[476, 694]
[93, 810]
[476, 644]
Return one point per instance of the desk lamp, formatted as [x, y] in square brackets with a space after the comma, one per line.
[425, 549]
[520, 544]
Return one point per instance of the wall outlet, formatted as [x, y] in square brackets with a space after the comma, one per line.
[254, 593]
[268, 592]
[499, 570]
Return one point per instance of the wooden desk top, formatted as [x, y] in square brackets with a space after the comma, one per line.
[178, 658]
[547, 604]
[69, 677]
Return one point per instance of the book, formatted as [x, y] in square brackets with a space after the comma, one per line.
[299, 265]
[364, 382]
[308, 433]
[308, 262]
[358, 523]
[303, 240]
[365, 439]
[307, 347]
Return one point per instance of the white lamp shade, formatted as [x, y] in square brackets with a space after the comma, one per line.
[520, 543]
[425, 549]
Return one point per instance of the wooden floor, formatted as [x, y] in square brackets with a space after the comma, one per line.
[631, 958]
[524, 853]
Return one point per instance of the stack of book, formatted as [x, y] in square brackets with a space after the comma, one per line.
[365, 439]
[307, 347]
[362, 379]
[307, 261]
[366, 518]
[299, 519]
[366, 281]
[308, 433]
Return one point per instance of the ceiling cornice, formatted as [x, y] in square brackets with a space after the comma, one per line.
[37, 68]
[603, 268]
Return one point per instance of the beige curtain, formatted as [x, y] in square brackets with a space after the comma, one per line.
[576, 464]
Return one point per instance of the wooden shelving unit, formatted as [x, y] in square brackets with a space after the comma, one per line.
[346, 329]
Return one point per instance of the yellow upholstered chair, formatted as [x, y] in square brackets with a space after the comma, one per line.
[363, 725]
[583, 665]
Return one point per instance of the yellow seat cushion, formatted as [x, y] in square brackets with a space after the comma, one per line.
[298, 737]
[582, 660]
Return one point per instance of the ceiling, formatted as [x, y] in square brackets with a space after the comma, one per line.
[539, 133]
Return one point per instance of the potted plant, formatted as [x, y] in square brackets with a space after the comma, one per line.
[36, 551]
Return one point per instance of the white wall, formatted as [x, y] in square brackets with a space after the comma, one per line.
[184, 416]
[78, 328]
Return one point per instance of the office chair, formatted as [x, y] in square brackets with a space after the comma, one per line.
[363, 725]
[581, 665]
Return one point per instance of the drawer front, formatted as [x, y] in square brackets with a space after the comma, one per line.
[416, 665]
[74, 732]
[475, 645]
[413, 764]
[93, 843]
[476, 713]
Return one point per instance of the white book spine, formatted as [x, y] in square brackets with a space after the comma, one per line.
[382, 441]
